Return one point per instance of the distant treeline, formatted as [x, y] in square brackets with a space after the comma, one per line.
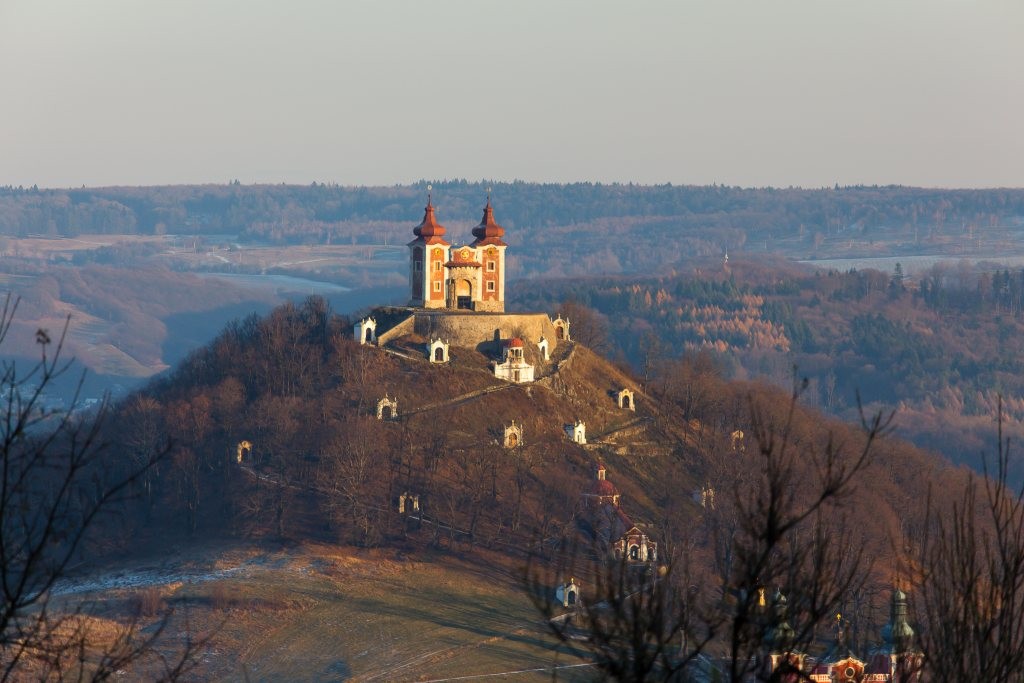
[630, 219]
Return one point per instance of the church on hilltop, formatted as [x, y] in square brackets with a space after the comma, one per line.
[470, 277]
[457, 300]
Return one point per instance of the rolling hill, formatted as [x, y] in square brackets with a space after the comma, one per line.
[317, 496]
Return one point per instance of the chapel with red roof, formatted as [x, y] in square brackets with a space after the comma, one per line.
[611, 527]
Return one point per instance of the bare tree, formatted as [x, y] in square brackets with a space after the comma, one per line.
[631, 620]
[781, 531]
[145, 437]
[588, 326]
[970, 602]
[56, 485]
[789, 535]
[348, 468]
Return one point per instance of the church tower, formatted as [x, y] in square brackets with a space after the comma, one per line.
[491, 253]
[427, 255]
[469, 277]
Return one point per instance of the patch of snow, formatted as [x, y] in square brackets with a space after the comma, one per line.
[140, 578]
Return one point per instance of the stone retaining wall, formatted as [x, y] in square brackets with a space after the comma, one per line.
[473, 328]
[400, 330]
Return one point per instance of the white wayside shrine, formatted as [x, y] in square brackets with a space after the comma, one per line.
[514, 368]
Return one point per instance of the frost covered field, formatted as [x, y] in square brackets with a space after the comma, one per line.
[323, 613]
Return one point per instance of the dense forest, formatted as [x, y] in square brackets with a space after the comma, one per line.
[941, 351]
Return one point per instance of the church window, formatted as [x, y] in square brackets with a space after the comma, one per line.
[437, 286]
[437, 266]
[490, 266]
[417, 266]
[490, 286]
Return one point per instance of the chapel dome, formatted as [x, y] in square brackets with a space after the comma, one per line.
[603, 487]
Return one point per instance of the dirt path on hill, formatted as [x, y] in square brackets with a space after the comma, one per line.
[621, 428]
[459, 400]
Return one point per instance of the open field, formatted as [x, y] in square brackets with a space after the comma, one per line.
[135, 304]
[327, 613]
[51, 248]
[295, 257]
[348, 265]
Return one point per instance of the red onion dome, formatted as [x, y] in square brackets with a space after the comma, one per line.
[429, 227]
[488, 230]
[515, 343]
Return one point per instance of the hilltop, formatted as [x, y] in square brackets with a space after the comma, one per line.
[305, 394]
[119, 259]
[324, 472]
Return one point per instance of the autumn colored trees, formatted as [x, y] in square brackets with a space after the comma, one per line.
[941, 348]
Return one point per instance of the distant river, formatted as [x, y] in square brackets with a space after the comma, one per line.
[912, 265]
[282, 284]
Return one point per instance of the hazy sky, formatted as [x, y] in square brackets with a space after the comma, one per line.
[757, 92]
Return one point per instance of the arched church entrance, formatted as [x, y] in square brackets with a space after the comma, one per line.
[464, 294]
[439, 355]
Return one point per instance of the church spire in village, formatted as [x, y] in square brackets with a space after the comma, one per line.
[781, 635]
[898, 634]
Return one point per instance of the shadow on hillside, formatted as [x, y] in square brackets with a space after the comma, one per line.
[486, 618]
